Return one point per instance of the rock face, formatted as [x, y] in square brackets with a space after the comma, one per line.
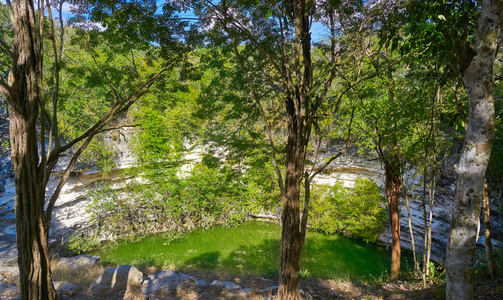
[440, 225]
[349, 167]
[116, 279]
[69, 214]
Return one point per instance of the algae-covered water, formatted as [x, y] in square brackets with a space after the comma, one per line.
[252, 248]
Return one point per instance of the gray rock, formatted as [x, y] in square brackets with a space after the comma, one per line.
[170, 276]
[165, 280]
[164, 274]
[226, 285]
[3, 286]
[240, 293]
[79, 261]
[201, 283]
[273, 289]
[116, 279]
[152, 286]
[187, 286]
[53, 248]
[65, 288]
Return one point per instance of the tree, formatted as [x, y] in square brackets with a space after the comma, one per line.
[272, 45]
[381, 122]
[446, 29]
[35, 153]
[479, 81]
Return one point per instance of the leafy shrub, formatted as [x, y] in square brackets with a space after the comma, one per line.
[167, 200]
[80, 244]
[436, 274]
[357, 212]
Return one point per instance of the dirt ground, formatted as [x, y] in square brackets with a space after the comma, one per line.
[311, 289]
[264, 288]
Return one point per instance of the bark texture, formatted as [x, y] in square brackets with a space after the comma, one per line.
[479, 82]
[297, 105]
[392, 171]
[24, 97]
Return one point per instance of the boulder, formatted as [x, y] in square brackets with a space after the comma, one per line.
[170, 276]
[116, 279]
[226, 285]
[79, 261]
[65, 288]
[165, 280]
[186, 288]
[201, 283]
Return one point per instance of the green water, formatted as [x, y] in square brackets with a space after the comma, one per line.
[252, 248]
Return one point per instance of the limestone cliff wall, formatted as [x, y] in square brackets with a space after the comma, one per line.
[70, 213]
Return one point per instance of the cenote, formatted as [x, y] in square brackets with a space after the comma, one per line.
[252, 248]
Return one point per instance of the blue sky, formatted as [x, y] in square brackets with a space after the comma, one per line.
[318, 31]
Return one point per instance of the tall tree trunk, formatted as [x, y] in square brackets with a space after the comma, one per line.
[487, 226]
[290, 250]
[291, 243]
[297, 104]
[393, 196]
[479, 82]
[24, 94]
[33, 254]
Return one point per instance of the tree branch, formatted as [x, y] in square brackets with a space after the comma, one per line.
[112, 113]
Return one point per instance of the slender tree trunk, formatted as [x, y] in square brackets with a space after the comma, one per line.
[393, 197]
[430, 221]
[423, 204]
[416, 264]
[493, 269]
[479, 82]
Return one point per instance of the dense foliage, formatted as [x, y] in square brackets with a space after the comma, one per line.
[358, 212]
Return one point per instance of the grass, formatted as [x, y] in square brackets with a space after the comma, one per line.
[83, 276]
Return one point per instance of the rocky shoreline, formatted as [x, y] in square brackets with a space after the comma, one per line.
[127, 281]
